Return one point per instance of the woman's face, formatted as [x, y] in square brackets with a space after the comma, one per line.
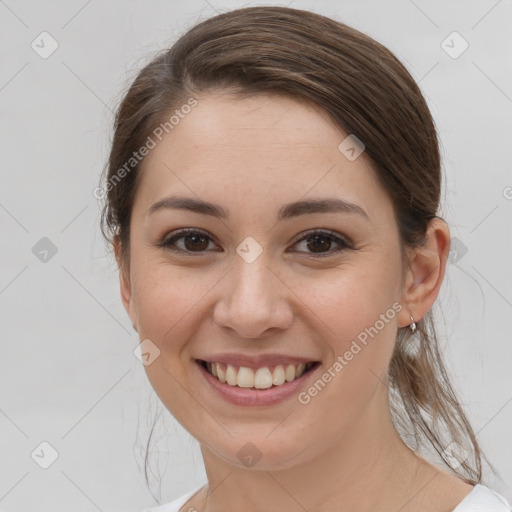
[258, 283]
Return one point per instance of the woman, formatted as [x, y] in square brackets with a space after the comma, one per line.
[272, 198]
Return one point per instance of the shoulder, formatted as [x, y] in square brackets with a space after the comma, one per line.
[483, 499]
[446, 492]
[176, 504]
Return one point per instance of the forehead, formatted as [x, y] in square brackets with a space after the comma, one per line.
[267, 148]
[270, 123]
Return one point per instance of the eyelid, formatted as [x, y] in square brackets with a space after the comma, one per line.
[321, 232]
[344, 243]
[165, 244]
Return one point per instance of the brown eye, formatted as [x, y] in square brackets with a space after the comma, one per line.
[317, 243]
[195, 242]
[320, 243]
[187, 241]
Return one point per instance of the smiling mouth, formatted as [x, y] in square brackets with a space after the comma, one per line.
[264, 377]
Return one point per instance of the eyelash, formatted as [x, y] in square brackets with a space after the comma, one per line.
[168, 243]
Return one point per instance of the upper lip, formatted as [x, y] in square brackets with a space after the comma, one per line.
[256, 361]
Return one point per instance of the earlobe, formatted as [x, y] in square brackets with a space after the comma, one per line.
[425, 273]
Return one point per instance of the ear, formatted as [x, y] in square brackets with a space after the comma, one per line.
[125, 284]
[425, 274]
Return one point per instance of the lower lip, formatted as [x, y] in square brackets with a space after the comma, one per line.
[250, 396]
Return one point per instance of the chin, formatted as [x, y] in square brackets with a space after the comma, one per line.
[261, 453]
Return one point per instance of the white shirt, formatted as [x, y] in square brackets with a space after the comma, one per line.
[480, 499]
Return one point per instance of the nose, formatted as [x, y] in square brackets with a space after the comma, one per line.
[254, 302]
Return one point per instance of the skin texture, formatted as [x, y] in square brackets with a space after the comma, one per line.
[340, 451]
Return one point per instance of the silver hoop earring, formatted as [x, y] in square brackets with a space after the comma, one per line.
[413, 324]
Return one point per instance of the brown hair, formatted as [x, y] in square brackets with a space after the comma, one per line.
[368, 93]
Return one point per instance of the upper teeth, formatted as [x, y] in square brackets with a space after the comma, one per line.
[262, 378]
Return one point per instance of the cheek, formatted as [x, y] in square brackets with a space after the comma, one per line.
[350, 298]
[168, 302]
[166, 299]
[354, 316]
[361, 342]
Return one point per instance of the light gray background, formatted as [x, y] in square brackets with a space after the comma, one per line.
[68, 375]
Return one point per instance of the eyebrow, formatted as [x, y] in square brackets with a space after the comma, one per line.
[287, 211]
